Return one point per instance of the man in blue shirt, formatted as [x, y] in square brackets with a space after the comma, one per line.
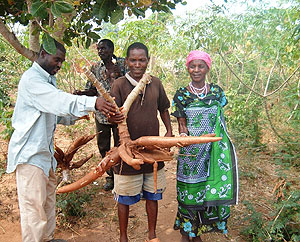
[39, 107]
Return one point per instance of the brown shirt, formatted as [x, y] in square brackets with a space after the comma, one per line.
[141, 119]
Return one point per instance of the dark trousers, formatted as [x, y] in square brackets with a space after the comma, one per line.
[103, 141]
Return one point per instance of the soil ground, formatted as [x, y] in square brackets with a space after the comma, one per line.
[257, 179]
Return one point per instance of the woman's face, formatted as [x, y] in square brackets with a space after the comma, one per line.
[198, 70]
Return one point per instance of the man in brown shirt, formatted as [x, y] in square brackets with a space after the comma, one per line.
[141, 121]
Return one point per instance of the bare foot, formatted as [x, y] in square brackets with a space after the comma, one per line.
[185, 238]
[197, 239]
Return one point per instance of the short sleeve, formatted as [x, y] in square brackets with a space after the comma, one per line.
[115, 92]
[163, 103]
[222, 98]
[220, 94]
[178, 106]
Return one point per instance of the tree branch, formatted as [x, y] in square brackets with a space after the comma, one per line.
[269, 77]
[251, 89]
[294, 72]
[255, 80]
[14, 42]
[227, 64]
[295, 108]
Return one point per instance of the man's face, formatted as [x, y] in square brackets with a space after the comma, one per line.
[104, 52]
[137, 62]
[52, 63]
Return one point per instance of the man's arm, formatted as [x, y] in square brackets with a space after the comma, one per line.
[47, 98]
[165, 116]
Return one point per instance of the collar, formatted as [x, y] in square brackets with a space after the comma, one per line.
[50, 78]
[132, 81]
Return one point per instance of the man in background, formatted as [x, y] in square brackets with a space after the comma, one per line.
[106, 71]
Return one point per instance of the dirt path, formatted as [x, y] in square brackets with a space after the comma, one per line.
[101, 221]
[105, 229]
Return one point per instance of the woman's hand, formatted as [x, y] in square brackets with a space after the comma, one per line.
[169, 134]
[182, 127]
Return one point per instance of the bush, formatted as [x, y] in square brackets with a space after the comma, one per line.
[243, 119]
[284, 225]
[12, 65]
[72, 204]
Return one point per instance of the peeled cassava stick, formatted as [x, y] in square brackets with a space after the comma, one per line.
[135, 92]
[98, 85]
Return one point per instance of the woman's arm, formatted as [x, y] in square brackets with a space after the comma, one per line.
[182, 128]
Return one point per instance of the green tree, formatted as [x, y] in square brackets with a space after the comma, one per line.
[65, 20]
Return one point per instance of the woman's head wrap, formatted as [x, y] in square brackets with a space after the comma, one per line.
[198, 55]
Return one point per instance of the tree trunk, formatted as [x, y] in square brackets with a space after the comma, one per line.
[34, 33]
[14, 42]
[34, 36]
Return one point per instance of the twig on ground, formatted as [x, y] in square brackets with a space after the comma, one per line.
[2, 229]
[69, 227]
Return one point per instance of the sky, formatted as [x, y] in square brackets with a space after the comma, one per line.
[192, 5]
[239, 7]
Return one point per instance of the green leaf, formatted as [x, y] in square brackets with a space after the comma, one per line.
[88, 42]
[49, 44]
[59, 7]
[55, 11]
[86, 27]
[93, 35]
[137, 12]
[39, 9]
[100, 10]
[117, 16]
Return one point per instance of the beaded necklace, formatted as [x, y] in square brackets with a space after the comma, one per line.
[199, 92]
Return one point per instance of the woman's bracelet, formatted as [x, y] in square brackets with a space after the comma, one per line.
[183, 134]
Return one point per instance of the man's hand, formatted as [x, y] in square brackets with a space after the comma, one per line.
[116, 119]
[108, 109]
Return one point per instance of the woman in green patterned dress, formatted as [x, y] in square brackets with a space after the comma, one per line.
[206, 173]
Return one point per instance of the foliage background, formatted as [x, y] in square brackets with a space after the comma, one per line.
[255, 59]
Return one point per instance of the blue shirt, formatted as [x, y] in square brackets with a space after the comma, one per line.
[38, 107]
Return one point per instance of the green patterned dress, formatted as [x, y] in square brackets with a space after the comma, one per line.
[207, 174]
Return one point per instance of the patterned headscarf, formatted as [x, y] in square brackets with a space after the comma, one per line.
[198, 55]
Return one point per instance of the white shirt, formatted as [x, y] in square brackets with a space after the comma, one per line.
[38, 104]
